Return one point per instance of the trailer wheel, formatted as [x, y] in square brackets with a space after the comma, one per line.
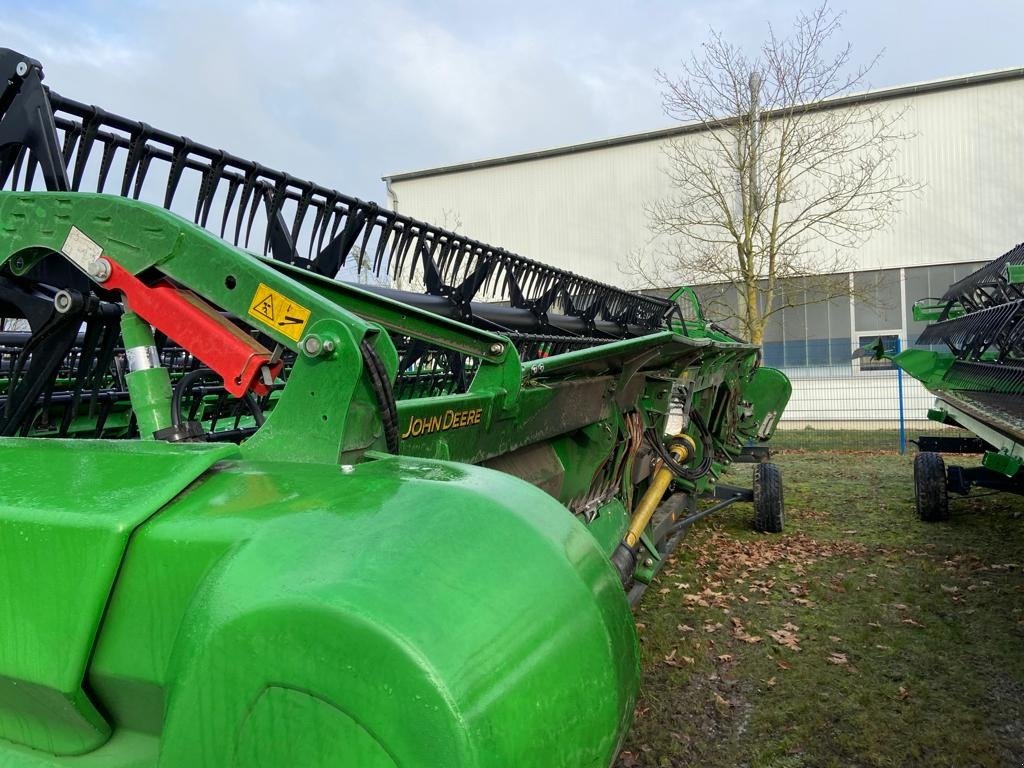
[769, 513]
[930, 497]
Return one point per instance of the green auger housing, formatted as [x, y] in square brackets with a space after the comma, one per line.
[253, 514]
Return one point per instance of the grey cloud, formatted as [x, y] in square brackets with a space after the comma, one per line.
[344, 92]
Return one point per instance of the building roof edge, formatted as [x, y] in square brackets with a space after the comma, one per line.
[881, 94]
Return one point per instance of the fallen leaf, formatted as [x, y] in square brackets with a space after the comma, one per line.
[913, 623]
[725, 658]
[684, 628]
[781, 664]
[672, 661]
[770, 682]
[837, 658]
[903, 694]
[785, 638]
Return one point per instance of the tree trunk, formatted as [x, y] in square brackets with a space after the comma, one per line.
[752, 312]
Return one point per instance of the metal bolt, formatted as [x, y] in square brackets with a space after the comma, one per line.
[99, 270]
[62, 301]
[312, 345]
[328, 346]
[648, 562]
[497, 349]
[21, 69]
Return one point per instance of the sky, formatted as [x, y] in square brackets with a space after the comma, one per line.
[343, 93]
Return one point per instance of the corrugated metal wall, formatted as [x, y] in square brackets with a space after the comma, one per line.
[584, 211]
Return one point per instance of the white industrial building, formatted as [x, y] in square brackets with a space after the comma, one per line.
[582, 208]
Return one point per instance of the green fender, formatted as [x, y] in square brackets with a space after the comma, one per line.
[399, 612]
[768, 391]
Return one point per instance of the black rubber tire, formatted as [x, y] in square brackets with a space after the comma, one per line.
[930, 497]
[769, 510]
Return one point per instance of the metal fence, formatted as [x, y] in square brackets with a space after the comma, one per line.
[862, 405]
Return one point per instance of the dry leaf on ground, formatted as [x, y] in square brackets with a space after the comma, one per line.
[785, 638]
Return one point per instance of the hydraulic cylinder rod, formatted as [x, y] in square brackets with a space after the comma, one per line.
[149, 384]
[624, 557]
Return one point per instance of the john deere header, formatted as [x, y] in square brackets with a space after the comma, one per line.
[256, 515]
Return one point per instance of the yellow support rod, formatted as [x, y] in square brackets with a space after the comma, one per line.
[682, 449]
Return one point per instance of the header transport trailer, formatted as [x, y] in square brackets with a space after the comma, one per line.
[977, 377]
[252, 514]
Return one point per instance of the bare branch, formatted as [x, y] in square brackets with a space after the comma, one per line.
[777, 187]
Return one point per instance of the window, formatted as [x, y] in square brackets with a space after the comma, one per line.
[930, 283]
[890, 344]
[818, 335]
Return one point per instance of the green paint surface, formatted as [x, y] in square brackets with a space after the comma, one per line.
[64, 541]
[424, 608]
[306, 599]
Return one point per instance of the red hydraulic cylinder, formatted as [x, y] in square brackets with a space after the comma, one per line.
[185, 317]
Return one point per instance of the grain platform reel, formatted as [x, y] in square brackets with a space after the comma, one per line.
[253, 514]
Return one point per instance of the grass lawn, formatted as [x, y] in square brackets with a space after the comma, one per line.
[860, 637]
[838, 439]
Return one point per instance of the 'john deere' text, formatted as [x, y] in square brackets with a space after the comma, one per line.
[424, 425]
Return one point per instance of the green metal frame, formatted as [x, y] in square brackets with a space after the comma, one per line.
[932, 369]
[305, 598]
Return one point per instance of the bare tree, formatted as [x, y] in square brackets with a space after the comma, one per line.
[775, 185]
[362, 263]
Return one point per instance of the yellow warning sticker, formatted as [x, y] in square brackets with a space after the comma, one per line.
[277, 311]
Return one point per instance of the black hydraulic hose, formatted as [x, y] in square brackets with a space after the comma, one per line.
[708, 446]
[179, 388]
[34, 340]
[674, 466]
[384, 392]
[183, 384]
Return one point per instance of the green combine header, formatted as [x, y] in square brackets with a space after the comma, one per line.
[977, 376]
[253, 514]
